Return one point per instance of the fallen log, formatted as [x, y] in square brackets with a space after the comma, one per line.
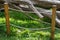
[47, 3]
[34, 9]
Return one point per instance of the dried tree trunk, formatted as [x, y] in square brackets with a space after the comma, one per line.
[34, 9]
[47, 4]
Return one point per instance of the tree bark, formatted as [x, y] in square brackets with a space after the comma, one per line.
[47, 4]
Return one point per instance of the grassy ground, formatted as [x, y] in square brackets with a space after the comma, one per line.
[20, 19]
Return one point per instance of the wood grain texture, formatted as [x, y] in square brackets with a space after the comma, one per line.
[53, 22]
[7, 18]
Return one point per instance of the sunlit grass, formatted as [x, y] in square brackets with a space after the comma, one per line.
[19, 19]
[25, 23]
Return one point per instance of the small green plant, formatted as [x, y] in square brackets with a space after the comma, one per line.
[21, 20]
[25, 33]
[46, 19]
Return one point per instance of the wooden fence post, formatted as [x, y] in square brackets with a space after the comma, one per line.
[7, 18]
[53, 22]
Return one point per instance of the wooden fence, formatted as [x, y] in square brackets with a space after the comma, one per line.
[52, 24]
[6, 8]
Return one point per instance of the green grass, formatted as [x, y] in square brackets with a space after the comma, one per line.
[20, 19]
